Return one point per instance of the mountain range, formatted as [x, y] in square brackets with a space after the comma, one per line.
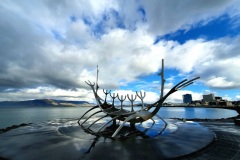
[44, 103]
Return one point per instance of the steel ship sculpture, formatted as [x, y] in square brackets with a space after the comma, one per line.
[124, 116]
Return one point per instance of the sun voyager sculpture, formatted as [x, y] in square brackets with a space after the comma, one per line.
[119, 117]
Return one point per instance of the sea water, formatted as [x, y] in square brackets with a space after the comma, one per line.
[16, 115]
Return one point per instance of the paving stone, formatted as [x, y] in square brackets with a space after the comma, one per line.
[226, 146]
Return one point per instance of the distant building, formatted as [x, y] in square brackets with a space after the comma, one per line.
[212, 103]
[208, 97]
[197, 102]
[236, 103]
[218, 98]
[225, 103]
[187, 98]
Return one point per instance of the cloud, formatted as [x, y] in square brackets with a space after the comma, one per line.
[168, 16]
[227, 97]
[220, 82]
[237, 97]
[215, 61]
[57, 45]
[177, 96]
[47, 93]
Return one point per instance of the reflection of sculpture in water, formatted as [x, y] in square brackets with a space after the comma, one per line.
[126, 116]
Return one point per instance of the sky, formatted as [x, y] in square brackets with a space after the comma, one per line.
[48, 49]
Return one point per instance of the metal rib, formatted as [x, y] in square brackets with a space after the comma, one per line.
[86, 113]
[91, 116]
[120, 127]
[96, 121]
[108, 122]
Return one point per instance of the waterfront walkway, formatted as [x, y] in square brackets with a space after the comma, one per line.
[226, 146]
[63, 139]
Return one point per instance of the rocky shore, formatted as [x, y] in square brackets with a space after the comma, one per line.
[2, 130]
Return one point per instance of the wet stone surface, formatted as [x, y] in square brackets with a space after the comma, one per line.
[64, 139]
[225, 146]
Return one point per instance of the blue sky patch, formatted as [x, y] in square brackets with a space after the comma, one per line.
[73, 18]
[217, 28]
[142, 13]
[87, 21]
[57, 35]
[100, 28]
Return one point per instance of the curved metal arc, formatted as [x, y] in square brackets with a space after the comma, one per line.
[90, 83]
[96, 121]
[113, 99]
[94, 92]
[122, 100]
[149, 127]
[159, 103]
[123, 114]
[91, 116]
[164, 126]
[179, 84]
[86, 113]
[187, 83]
[183, 86]
[194, 79]
[174, 89]
[120, 127]
[113, 96]
[141, 96]
[107, 91]
[131, 100]
[108, 123]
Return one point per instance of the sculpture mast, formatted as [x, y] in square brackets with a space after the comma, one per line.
[162, 79]
[97, 80]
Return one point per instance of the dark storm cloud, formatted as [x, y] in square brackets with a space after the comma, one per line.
[24, 62]
[19, 49]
